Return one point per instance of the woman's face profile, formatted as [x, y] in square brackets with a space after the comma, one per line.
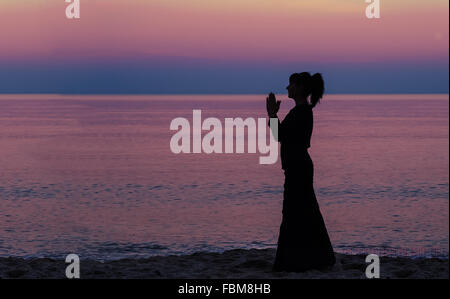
[292, 90]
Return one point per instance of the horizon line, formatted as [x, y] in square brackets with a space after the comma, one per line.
[203, 97]
[202, 94]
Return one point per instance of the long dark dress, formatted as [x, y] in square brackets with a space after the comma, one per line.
[303, 242]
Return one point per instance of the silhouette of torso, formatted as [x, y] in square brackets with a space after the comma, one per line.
[294, 135]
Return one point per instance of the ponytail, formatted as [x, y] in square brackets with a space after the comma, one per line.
[314, 85]
[317, 89]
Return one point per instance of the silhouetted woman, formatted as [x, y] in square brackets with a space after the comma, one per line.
[303, 242]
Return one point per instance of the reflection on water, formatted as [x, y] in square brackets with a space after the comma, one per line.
[94, 175]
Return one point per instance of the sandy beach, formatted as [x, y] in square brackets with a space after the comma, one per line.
[232, 264]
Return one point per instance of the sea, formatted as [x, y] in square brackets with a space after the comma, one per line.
[94, 175]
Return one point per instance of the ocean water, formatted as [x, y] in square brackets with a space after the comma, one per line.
[95, 176]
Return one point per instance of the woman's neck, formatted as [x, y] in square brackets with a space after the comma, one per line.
[300, 101]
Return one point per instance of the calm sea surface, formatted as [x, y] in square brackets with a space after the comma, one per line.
[94, 175]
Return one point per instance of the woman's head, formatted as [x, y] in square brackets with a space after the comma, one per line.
[303, 85]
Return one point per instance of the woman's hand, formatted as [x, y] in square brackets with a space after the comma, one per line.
[272, 105]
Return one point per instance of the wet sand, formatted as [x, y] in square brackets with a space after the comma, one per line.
[238, 264]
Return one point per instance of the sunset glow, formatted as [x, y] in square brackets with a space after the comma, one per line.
[264, 32]
[284, 30]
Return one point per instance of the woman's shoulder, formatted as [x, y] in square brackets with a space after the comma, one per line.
[302, 113]
[302, 109]
[298, 112]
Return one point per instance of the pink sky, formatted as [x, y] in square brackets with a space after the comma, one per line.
[273, 31]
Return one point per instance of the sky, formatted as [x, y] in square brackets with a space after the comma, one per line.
[222, 46]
